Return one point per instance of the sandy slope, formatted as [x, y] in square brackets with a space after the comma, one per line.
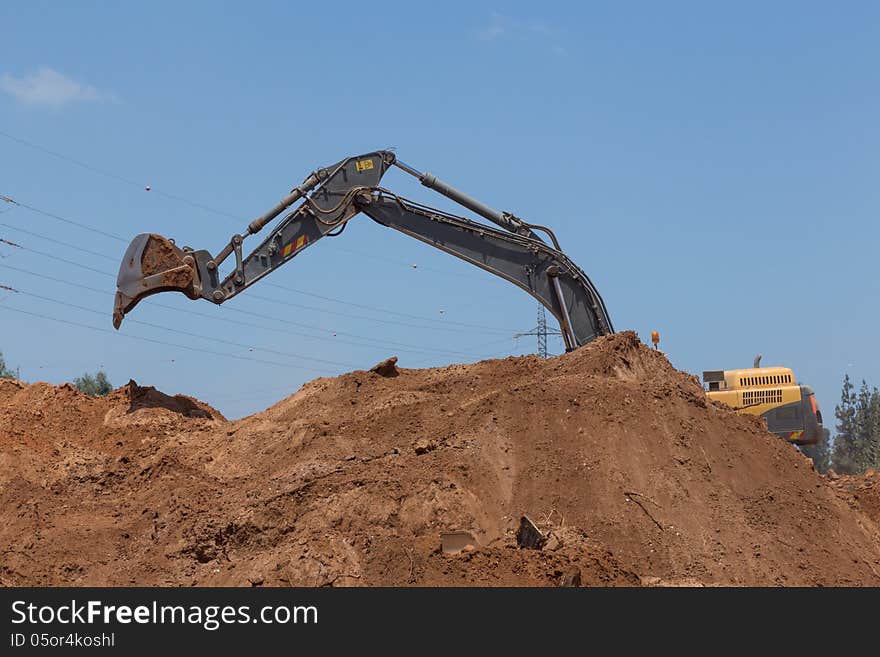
[352, 480]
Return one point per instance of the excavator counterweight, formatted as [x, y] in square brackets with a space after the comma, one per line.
[329, 198]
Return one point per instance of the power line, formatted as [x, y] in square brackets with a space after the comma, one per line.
[160, 342]
[192, 335]
[115, 176]
[374, 256]
[69, 159]
[58, 258]
[131, 182]
[383, 310]
[12, 201]
[372, 319]
[402, 346]
[276, 285]
[175, 197]
[240, 323]
[54, 279]
[253, 296]
[59, 242]
[370, 342]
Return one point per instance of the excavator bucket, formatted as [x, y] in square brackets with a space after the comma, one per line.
[153, 264]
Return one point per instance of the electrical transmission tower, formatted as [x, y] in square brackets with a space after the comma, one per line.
[541, 332]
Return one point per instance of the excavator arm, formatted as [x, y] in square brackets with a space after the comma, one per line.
[330, 198]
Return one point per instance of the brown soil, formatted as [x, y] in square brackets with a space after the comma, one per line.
[861, 492]
[631, 474]
[159, 255]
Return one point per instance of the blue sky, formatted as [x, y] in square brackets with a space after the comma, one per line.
[713, 169]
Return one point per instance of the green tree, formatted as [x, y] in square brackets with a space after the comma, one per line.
[5, 372]
[94, 386]
[865, 424]
[857, 443]
[820, 452]
[844, 457]
[872, 421]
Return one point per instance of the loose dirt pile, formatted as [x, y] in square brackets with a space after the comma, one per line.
[630, 473]
[861, 492]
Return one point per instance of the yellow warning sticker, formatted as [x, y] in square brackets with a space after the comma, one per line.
[364, 165]
[300, 242]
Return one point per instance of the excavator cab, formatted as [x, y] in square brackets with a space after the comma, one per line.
[789, 408]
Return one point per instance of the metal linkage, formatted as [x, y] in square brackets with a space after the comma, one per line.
[330, 198]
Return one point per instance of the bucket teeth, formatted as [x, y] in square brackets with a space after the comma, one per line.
[121, 305]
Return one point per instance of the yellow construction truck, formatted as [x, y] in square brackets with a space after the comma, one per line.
[789, 408]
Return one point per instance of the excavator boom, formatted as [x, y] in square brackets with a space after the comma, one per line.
[330, 197]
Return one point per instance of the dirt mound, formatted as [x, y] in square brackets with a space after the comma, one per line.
[861, 492]
[630, 473]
